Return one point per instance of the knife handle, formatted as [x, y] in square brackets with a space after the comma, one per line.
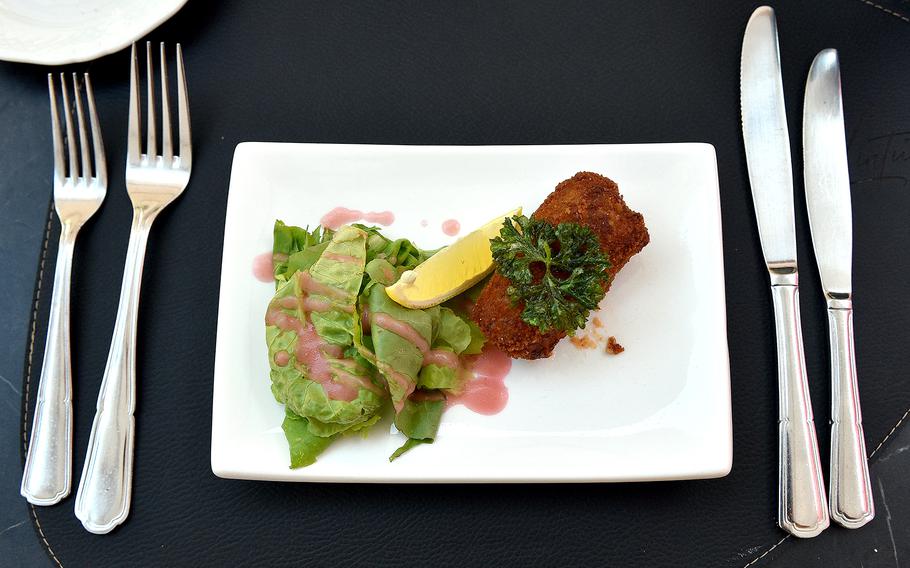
[851, 500]
[802, 507]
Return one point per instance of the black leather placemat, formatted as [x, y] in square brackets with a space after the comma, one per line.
[476, 73]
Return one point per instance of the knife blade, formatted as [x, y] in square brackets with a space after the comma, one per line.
[802, 507]
[826, 176]
[767, 140]
[827, 181]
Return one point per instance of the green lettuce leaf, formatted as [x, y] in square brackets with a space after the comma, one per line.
[461, 306]
[409, 444]
[381, 271]
[438, 377]
[419, 421]
[401, 361]
[332, 281]
[343, 275]
[398, 359]
[288, 242]
[308, 399]
[278, 340]
[401, 253]
[477, 339]
[453, 332]
[303, 260]
[304, 446]
[340, 270]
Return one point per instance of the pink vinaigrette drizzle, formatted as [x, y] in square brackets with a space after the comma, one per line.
[263, 269]
[342, 216]
[485, 390]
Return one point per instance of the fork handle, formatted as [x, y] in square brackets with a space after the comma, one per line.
[47, 476]
[851, 500]
[105, 490]
[802, 508]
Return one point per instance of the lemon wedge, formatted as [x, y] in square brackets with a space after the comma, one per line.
[450, 271]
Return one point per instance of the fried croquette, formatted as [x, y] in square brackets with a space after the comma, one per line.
[588, 199]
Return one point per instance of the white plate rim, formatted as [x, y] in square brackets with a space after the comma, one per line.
[41, 55]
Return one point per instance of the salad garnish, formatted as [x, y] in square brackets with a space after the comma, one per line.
[341, 351]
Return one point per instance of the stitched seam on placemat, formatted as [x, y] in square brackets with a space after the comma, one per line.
[29, 368]
[766, 552]
[43, 538]
[34, 329]
[886, 10]
[896, 426]
[877, 448]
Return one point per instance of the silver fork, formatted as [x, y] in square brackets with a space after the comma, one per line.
[153, 181]
[77, 196]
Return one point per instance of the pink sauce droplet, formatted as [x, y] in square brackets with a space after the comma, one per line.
[486, 392]
[312, 286]
[282, 358]
[339, 216]
[342, 215]
[401, 328]
[382, 217]
[289, 303]
[441, 358]
[346, 258]
[403, 381]
[451, 227]
[389, 273]
[424, 222]
[316, 305]
[263, 269]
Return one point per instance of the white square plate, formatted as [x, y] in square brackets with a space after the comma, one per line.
[660, 410]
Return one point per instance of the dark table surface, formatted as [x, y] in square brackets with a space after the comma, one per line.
[457, 73]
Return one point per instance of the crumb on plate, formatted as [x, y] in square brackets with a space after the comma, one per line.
[583, 342]
[613, 346]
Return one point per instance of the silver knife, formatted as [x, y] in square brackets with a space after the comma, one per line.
[802, 507]
[831, 219]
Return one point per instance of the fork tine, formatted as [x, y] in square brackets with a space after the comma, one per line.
[70, 135]
[133, 144]
[59, 167]
[167, 149]
[97, 141]
[83, 131]
[152, 146]
[183, 113]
